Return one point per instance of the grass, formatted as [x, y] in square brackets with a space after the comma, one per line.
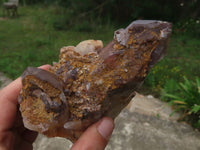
[186, 99]
[31, 40]
[183, 59]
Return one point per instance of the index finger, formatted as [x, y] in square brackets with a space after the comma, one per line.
[8, 102]
[11, 91]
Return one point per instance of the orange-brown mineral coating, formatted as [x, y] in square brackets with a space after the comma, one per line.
[89, 78]
[96, 84]
[74, 69]
[42, 103]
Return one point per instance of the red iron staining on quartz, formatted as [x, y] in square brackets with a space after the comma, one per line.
[90, 81]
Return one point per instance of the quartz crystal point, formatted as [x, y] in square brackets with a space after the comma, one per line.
[90, 81]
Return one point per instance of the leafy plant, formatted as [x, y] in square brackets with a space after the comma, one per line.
[189, 26]
[171, 85]
[163, 75]
[187, 100]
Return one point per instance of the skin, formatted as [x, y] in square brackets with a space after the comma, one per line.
[14, 136]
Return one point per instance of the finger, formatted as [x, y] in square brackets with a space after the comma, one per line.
[11, 91]
[6, 140]
[8, 102]
[96, 136]
[8, 114]
[45, 67]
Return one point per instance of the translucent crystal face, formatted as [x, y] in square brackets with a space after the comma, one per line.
[90, 81]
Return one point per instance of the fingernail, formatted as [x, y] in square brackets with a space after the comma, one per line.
[105, 127]
[45, 67]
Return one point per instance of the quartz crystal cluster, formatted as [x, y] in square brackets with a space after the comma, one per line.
[91, 81]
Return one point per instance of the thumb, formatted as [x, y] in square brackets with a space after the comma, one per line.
[96, 136]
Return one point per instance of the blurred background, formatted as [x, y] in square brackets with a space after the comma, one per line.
[34, 35]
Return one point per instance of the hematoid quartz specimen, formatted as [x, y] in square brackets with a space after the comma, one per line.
[91, 81]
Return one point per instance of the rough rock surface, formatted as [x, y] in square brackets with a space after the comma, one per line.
[138, 127]
[143, 125]
[87, 85]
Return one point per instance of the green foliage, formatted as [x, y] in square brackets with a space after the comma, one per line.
[186, 98]
[31, 39]
[35, 37]
[84, 27]
[126, 11]
[189, 26]
[182, 60]
[162, 75]
[170, 86]
[88, 15]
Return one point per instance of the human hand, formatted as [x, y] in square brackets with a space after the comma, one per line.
[13, 134]
[96, 136]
